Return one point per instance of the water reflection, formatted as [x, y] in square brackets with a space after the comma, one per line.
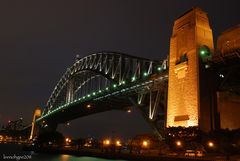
[12, 149]
[64, 157]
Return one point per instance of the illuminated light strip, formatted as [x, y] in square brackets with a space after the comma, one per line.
[79, 99]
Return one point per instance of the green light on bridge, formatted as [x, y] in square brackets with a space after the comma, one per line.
[107, 88]
[202, 52]
[88, 95]
[159, 68]
[123, 82]
[114, 86]
[145, 74]
[133, 78]
[100, 91]
[94, 93]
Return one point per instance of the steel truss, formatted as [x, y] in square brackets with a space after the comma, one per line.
[97, 72]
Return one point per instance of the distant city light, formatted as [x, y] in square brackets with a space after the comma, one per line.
[221, 75]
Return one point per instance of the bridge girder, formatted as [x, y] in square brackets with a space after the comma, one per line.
[103, 68]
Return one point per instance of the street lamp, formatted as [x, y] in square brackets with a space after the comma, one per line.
[106, 142]
[68, 140]
[89, 106]
[118, 143]
[145, 143]
[178, 143]
[210, 144]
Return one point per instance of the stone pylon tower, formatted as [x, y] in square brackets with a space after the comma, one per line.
[34, 129]
[191, 31]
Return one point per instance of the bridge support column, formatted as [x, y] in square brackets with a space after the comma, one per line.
[185, 98]
[153, 104]
[34, 129]
[152, 113]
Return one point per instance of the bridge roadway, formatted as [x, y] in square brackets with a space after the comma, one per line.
[103, 81]
[110, 99]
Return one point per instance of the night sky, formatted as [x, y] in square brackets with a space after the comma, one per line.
[40, 39]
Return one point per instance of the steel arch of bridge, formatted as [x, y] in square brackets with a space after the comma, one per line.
[109, 68]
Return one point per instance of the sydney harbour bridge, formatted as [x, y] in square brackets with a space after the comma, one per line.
[107, 80]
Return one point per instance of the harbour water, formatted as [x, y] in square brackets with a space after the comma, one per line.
[14, 152]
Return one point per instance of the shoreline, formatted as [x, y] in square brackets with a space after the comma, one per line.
[114, 156]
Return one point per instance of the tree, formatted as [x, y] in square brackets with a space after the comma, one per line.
[54, 137]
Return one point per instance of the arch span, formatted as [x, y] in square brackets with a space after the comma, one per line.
[110, 67]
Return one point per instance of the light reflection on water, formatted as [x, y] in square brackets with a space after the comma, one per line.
[64, 157]
[13, 149]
